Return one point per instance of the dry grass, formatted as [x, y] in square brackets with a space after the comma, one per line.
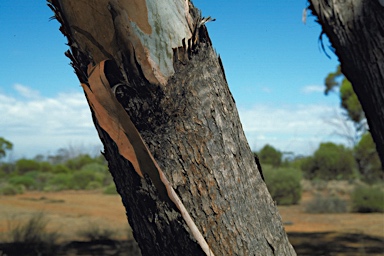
[333, 187]
[68, 212]
[72, 211]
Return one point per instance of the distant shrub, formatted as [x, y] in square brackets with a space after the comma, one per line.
[58, 182]
[60, 168]
[10, 190]
[93, 185]
[330, 162]
[26, 165]
[110, 189]
[45, 167]
[283, 184]
[96, 167]
[32, 174]
[101, 160]
[7, 168]
[326, 204]
[368, 160]
[367, 199]
[2, 174]
[319, 184]
[24, 180]
[78, 162]
[295, 162]
[42, 179]
[81, 179]
[270, 155]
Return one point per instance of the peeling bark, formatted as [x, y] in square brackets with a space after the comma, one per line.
[356, 31]
[187, 119]
[114, 120]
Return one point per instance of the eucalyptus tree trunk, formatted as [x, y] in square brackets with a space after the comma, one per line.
[356, 31]
[170, 128]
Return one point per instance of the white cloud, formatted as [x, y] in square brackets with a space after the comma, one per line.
[38, 125]
[291, 128]
[312, 89]
[41, 125]
[26, 92]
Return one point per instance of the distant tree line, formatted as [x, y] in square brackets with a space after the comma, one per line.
[62, 171]
[331, 161]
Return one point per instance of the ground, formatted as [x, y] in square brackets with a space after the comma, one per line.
[69, 212]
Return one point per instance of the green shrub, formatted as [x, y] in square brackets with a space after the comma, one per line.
[101, 160]
[2, 174]
[42, 179]
[283, 184]
[270, 155]
[60, 168]
[10, 190]
[96, 167]
[81, 179]
[26, 165]
[93, 185]
[45, 167]
[24, 180]
[32, 174]
[367, 199]
[330, 162]
[102, 171]
[78, 162]
[295, 162]
[60, 181]
[110, 189]
[368, 160]
[7, 168]
[326, 204]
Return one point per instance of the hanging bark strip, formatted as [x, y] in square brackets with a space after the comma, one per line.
[112, 117]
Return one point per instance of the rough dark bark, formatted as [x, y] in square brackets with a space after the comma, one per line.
[190, 124]
[356, 31]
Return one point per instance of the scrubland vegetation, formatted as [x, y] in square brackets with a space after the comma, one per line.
[56, 173]
[339, 179]
[360, 186]
[31, 236]
[359, 167]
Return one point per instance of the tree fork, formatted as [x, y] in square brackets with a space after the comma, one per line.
[172, 85]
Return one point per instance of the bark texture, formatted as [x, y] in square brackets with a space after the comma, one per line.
[356, 31]
[189, 121]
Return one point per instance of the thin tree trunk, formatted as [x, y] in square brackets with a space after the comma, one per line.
[172, 85]
[356, 31]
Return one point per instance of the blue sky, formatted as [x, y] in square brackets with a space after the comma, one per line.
[273, 62]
